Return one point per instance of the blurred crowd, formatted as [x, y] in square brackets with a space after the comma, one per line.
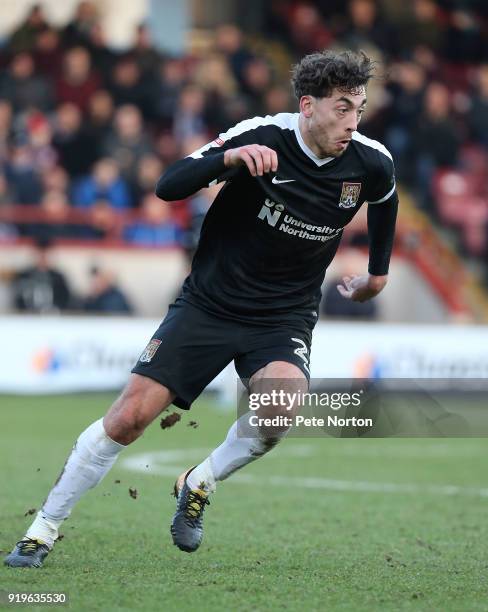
[41, 288]
[86, 131]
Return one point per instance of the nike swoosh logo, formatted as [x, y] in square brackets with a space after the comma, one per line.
[276, 181]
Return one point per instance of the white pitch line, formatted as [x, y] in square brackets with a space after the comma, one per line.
[173, 462]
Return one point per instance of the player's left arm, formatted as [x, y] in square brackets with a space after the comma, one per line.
[382, 214]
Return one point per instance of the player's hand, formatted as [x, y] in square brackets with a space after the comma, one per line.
[361, 288]
[258, 159]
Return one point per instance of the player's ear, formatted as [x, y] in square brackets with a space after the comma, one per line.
[306, 106]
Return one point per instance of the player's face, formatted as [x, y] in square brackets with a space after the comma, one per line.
[327, 124]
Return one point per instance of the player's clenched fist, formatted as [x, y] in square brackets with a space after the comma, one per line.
[258, 158]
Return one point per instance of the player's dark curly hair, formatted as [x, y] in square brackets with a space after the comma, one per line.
[319, 73]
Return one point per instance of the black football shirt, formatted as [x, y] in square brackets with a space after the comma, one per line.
[266, 241]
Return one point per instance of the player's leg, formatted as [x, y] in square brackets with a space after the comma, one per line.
[94, 453]
[245, 442]
[187, 351]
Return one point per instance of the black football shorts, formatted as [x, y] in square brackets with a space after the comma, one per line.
[192, 346]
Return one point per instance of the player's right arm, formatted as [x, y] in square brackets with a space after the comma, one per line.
[215, 162]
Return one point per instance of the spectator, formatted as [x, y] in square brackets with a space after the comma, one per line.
[41, 288]
[149, 169]
[99, 120]
[55, 179]
[276, 22]
[128, 142]
[366, 28]
[307, 29]
[78, 81]
[102, 56]
[144, 52]
[104, 295]
[104, 183]
[129, 86]
[407, 91]
[435, 139]
[156, 228]
[23, 88]
[230, 42]
[22, 175]
[48, 53]
[189, 118]
[76, 148]
[77, 32]
[56, 208]
[23, 38]
[427, 59]
[39, 135]
[170, 83]
[104, 221]
[257, 77]
[167, 148]
[465, 39]
[214, 77]
[423, 27]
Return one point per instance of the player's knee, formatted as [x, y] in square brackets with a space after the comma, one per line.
[140, 402]
[124, 423]
[123, 429]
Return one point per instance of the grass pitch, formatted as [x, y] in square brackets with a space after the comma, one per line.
[318, 524]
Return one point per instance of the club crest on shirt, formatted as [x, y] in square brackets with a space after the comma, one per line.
[150, 350]
[350, 195]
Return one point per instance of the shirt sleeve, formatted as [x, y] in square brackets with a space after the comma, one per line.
[381, 234]
[205, 166]
[384, 180]
[382, 214]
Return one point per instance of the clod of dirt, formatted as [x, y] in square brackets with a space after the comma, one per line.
[170, 420]
[133, 493]
[30, 511]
